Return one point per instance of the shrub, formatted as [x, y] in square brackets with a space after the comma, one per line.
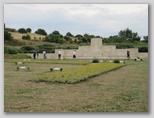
[61, 69]
[143, 49]
[7, 36]
[28, 48]
[95, 61]
[51, 69]
[11, 50]
[26, 37]
[17, 68]
[124, 46]
[116, 61]
[48, 47]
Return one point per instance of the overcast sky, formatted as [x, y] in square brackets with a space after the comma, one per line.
[97, 19]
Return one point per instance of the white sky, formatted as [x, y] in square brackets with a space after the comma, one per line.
[97, 19]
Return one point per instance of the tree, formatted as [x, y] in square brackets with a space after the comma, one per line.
[69, 34]
[84, 39]
[22, 30]
[7, 36]
[145, 39]
[128, 35]
[41, 31]
[56, 32]
[79, 36]
[29, 30]
[67, 38]
[54, 38]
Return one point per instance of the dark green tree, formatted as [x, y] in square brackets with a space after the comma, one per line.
[7, 36]
[145, 39]
[67, 38]
[22, 30]
[56, 32]
[41, 31]
[29, 30]
[128, 35]
[69, 34]
[54, 38]
[79, 36]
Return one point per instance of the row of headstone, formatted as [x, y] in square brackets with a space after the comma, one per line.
[21, 67]
[26, 59]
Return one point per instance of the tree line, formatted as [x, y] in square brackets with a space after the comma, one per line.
[124, 36]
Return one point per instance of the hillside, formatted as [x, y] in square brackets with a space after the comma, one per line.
[18, 36]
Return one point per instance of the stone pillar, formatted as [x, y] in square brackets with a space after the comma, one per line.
[96, 48]
[96, 43]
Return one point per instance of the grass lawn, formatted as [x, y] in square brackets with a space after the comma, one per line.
[121, 90]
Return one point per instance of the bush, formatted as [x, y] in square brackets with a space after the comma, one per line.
[51, 69]
[124, 46]
[48, 47]
[7, 36]
[95, 61]
[61, 69]
[143, 49]
[116, 61]
[26, 37]
[11, 50]
[28, 48]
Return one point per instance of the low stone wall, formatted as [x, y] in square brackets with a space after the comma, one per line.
[143, 55]
[95, 50]
[121, 55]
[40, 55]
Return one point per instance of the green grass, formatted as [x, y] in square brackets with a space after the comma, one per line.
[121, 90]
[53, 61]
[17, 56]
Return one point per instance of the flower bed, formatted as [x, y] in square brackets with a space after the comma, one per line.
[79, 74]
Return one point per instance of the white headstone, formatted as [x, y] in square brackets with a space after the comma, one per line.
[19, 63]
[23, 68]
[56, 69]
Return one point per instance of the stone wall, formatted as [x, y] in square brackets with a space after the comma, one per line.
[96, 50]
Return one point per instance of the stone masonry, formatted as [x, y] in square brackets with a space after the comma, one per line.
[96, 50]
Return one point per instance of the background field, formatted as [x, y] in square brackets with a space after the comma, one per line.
[122, 90]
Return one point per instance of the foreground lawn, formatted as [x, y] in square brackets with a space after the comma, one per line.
[121, 90]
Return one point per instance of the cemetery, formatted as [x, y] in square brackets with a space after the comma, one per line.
[95, 80]
[84, 62]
